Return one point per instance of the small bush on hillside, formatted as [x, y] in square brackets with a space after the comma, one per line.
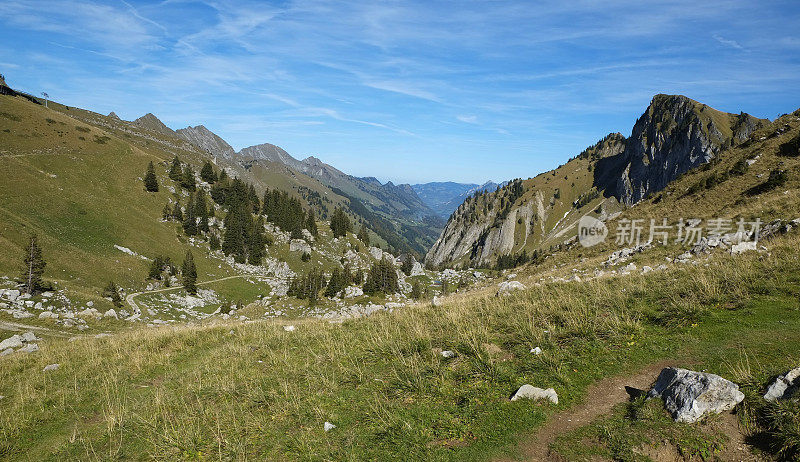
[777, 178]
[791, 148]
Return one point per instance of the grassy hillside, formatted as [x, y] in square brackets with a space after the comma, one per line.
[257, 391]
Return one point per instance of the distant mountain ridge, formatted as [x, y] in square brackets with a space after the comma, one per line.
[444, 197]
[402, 218]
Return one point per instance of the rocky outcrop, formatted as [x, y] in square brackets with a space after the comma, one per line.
[689, 396]
[674, 135]
[785, 386]
[207, 140]
[270, 153]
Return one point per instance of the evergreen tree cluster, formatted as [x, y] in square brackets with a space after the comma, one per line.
[339, 280]
[286, 212]
[308, 286]
[382, 277]
[111, 292]
[161, 268]
[340, 223]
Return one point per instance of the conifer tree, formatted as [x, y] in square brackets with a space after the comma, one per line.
[207, 173]
[416, 290]
[175, 171]
[340, 223]
[166, 214]
[189, 273]
[190, 219]
[255, 247]
[336, 284]
[177, 213]
[187, 178]
[253, 199]
[311, 224]
[382, 277]
[408, 265]
[150, 180]
[363, 235]
[237, 228]
[213, 242]
[112, 291]
[33, 268]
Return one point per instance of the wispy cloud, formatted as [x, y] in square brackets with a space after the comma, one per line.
[728, 42]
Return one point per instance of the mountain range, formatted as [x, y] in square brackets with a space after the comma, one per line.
[444, 197]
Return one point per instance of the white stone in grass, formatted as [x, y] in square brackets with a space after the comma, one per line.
[785, 386]
[15, 341]
[29, 348]
[530, 392]
[448, 354]
[29, 337]
[328, 426]
[436, 301]
[111, 313]
[506, 287]
[537, 351]
[48, 315]
[288, 328]
[742, 247]
[6, 352]
[50, 367]
[689, 396]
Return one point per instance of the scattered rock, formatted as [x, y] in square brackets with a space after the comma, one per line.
[50, 367]
[689, 396]
[15, 341]
[785, 386]
[530, 392]
[742, 247]
[436, 301]
[353, 291]
[288, 328]
[48, 315]
[537, 351]
[6, 352]
[89, 313]
[506, 287]
[111, 314]
[29, 348]
[448, 354]
[328, 426]
[29, 337]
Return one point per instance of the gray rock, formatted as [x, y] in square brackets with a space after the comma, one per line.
[29, 337]
[15, 341]
[328, 426]
[742, 247]
[506, 287]
[6, 352]
[536, 350]
[29, 348]
[50, 367]
[689, 396]
[111, 314]
[784, 387]
[530, 392]
[448, 354]
[437, 301]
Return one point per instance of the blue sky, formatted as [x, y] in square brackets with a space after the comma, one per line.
[406, 91]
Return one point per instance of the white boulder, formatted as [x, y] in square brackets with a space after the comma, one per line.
[328, 426]
[50, 367]
[742, 247]
[15, 341]
[530, 392]
[506, 287]
[785, 386]
[111, 314]
[29, 348]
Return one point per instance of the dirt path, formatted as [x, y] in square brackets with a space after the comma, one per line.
[137, 310]
[17, 327]
[600, 399]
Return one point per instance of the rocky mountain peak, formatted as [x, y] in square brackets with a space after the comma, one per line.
[113, 115]
[152, 123]
[207, 140]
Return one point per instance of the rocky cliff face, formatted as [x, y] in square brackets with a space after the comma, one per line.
[206, 139]
[673, 136]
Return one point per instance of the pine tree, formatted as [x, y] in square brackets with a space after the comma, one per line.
[33, 270]
[190, 219]
[382, 277]
[112, 291]
[207, 173]
[363, 235]
[340, 223]
[416, 290]
[150, 180]
[187, 178]
[156, 268]
[311, 224]
[237, 228]
[175, 171]
[189, 272]
[166, 214]
[253, 199]
[255, 247]
[177, 213]
[408, 265]
[336, 284]
[213, 242]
